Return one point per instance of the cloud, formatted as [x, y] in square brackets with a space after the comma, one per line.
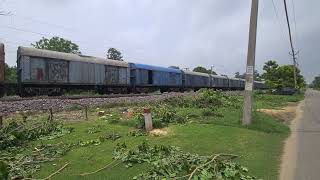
[185, 33]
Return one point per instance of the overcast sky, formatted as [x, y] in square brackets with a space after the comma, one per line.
[185, 33]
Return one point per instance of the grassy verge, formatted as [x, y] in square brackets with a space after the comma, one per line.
[206, 132]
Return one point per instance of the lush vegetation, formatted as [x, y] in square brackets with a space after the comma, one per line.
[278, 77]
[10, 73]
[114, 54]
[57, 44]
[257, 76]
[316, 82]
[203, 70]
[204, 139]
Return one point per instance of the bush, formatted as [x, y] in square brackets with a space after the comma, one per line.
[164, 113]
[206, 98]
[208, 112]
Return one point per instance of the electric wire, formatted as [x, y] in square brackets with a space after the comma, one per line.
[289, 28]
[278, 17]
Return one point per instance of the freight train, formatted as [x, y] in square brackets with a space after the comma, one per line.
[44, 72]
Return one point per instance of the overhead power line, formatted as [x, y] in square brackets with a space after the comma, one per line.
[294, 20]
[293, 53]
[277, 14]
[24, 30]
[289, 28]
[43, 22]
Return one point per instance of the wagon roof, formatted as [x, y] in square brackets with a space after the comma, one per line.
[221, 77]
[232, 78]
[154, 68]
[196, 73]
[27, 51]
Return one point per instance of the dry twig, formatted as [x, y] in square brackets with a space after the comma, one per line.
[51, 175]
[98, 170]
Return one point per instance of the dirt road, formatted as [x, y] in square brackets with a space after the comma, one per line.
[301, 159]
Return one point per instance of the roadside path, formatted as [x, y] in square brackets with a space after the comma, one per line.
[301, 159]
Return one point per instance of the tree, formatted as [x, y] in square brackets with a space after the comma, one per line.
[316, 82]
[174, 67]
[57, 44]
[257, 76]
[203, 70]
[278, 77]
[270, 74]
[114, 54]
[10, 73]
[240, 76]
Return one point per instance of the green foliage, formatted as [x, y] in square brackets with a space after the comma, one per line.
[112, 118]
[10, 73]
[208, 112]
[16, 134]
[57, 44]
[138, 119]
[137, 133]
[203, 70]
[114, 54]
[278, 77]
[206, 98]
[209, 98]
[58, 132]
[22, 163]
[257, 76]
[4, 170]
[164, 113]
[93, 130]
[14, 140]
[170, 162]
[316, 82]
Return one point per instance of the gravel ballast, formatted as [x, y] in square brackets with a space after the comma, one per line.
[43, 104]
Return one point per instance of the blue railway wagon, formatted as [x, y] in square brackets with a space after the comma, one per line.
[196, 80]
[234, 83]
[143, 75]
[219, 82]
[242, 83]
[43, 70]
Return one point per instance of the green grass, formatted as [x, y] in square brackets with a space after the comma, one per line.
[259, 145]
[274, 101]
[256, 153]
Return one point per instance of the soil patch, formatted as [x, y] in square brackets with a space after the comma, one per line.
[287, 113]
[159, 132]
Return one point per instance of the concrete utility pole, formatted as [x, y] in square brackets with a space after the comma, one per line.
[247, 108]
[294, 57]
[2, 62]
[293, 53]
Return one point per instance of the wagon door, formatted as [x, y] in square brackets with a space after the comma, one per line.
[112, 75]
[58, 71]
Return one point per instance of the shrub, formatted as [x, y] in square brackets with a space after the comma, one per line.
[164, 113]
[208, 112]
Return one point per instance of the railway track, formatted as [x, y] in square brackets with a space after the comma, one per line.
[38, 104]
[75, 97]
